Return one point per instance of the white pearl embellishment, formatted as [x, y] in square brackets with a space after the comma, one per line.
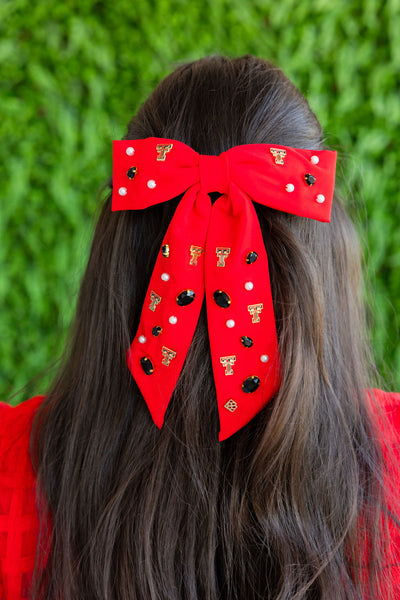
[151, 184]
[165, 277]
[314, 159]
[230, 323]
[142, 339]
[173, 320]
[264, 358]
[249, 285]
[122, 191]
[320, 198]
[130, 151]
[289, 187]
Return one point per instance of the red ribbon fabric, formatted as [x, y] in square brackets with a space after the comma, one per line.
[217, 250]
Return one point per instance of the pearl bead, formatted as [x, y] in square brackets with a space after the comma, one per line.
[249, 285]
[314, 159]
[151, 184]
[320, 198]
[289, 187]
[122, 191]
[130, 151]
[142, 339]
[264, 358]
[165, 277]
[173, 320]
[230, 323]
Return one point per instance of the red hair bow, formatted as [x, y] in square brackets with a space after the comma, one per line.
[217, 250]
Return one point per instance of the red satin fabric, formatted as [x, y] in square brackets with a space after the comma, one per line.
[18, 514]
[267, 174]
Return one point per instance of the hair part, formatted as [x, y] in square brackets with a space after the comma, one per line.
[272, 512]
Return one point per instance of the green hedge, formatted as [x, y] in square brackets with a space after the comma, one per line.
[73, 73]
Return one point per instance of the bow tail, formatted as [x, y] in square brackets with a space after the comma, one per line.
[172, 305]
[241, 321]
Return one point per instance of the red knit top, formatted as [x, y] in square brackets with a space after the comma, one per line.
[18, 513]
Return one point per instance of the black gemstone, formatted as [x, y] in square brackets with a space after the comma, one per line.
[147, 365]
[251, 257]
[250, 384]
[186, 297]
[156, 330]
[222, 299]
[131, 172]
[246, 341]
[309, 179]
[165, 250]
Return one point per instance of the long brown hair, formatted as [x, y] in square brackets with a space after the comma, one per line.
[140, 513]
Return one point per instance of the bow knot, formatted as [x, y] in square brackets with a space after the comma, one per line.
[216, 251]
[214, 173]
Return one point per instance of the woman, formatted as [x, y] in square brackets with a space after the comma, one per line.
[300, 500]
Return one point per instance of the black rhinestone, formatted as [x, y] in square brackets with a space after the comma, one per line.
[156, 330]
[309, 179]
[246, 341]
[251, 257]
[222, 299]
[250, 384]
[131, 172]
[186, 297]
[147, 365]
[165, 250]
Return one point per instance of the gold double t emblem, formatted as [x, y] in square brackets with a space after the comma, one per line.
[222, 254]
[228, 362]
[255, 311]
[162, 150]
[195, 252]
[168, 355]
[279, 154]
[154, 300]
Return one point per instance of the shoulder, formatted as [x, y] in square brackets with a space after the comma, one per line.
[385, 407]
[390, 401]
[18, 517]
[15, 428]
[15, 425]
[386, 410]
[24, 410]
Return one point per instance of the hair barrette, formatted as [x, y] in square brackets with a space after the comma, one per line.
[215, 249]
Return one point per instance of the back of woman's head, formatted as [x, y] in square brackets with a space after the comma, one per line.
[271, 512]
